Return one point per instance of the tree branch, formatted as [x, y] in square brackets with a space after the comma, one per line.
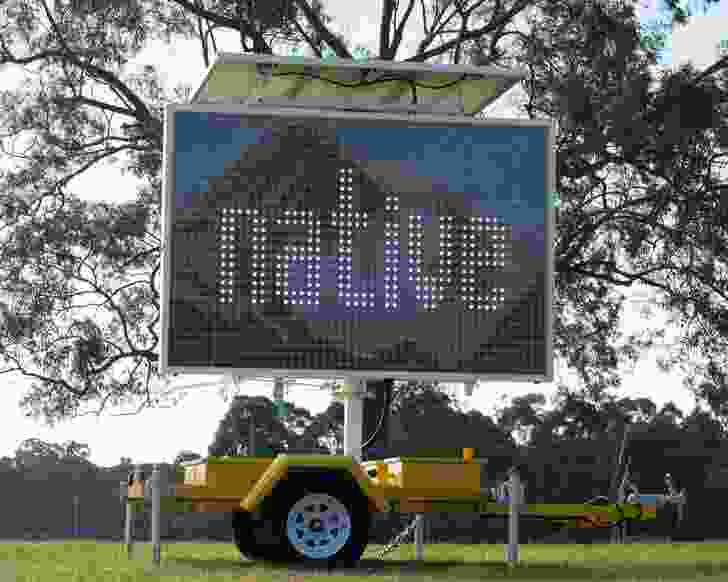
[492, 26]
[203, 37]
[425, 28]
[149, 354]
[437, 28]
[140, 255]
[308, 39]
[62, 383]
[114, 307]
[400, 31]
[218, 19]
[325, 34]
[110, 79]
[100, 105]
[106, 153]
[259, 44]
[719, 65]
[384, 27]
[463, 27]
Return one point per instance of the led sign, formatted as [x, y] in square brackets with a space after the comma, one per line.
[379, 244]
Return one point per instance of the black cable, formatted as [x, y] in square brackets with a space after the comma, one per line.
[385, 408]
[386, 79]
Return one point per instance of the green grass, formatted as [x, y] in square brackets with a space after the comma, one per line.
[88, 561]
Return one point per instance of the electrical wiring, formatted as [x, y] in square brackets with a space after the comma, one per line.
[299, 386]
[385, 408]
[392, 77]
[386, 79]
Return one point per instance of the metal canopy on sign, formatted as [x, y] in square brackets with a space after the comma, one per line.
[353, 85]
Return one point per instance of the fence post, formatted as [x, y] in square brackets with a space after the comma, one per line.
[156, 514]
[419, 536]
[76, 518]
[129, 520]
[124, 498]
[514, 497]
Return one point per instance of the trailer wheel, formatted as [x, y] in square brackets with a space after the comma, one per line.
[244, 536]
[323, 519]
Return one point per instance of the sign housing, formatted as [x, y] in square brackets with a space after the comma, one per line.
[379, 245]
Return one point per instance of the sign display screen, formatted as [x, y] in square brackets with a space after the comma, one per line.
[327, 244]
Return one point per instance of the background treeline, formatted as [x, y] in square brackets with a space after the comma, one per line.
[567, 453]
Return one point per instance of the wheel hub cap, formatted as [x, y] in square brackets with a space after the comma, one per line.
[318, 526]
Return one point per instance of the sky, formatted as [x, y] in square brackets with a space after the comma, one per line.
[158, 435]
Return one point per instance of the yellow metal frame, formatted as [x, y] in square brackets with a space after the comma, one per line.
[234, 483]
[425, 475]
[400, 484]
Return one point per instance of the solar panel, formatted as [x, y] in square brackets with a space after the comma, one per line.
[353, 85]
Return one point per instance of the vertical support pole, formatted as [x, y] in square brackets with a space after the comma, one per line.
[128, 535]
[378, 404]
[76, 517]
[125, 512]
[419, 536]
[353, 419]
[156, 514]
[251, 436]
[129, 522]
[678, 530]
[514, 500]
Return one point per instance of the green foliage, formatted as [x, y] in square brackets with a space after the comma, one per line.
[568, 459]
[66, 264]
[654, 40]
[360, 53]
[281, 409]
[39, 459]
[296, 430]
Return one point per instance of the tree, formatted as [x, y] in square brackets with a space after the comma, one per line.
[37, 449]
[673, 13]
[522, 415]
[39, 461]
[326, 429]
[271, 434]
[419, 407]
[658, 219]
[76, 450]
[125, 462]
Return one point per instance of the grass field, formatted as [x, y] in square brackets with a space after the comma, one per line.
[181, 562]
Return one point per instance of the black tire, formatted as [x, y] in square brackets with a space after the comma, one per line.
[327, 495]
[244, 537]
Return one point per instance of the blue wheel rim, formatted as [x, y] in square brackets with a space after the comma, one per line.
[318, 526]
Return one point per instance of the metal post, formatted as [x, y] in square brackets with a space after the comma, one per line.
[76, 517]
[251, 436]
[515, 501]
[419, 536]
[353, 419]
[618, 530]
[156, 514]
[129, 522]
[126, 513]
[128, 535]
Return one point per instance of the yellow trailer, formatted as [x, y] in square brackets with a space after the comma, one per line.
[318, 508]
